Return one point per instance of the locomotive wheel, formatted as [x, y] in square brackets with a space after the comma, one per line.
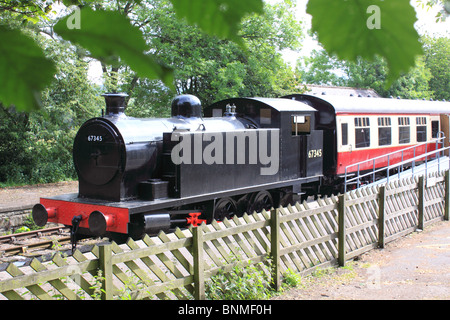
[243, 204]
[225, 208]
[259, 201]
[287, 199]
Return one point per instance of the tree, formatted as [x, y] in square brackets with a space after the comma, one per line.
[212, 68]
[411, 85]
[367, 29]
[323, 69]
[108, 36]
[37, 147]
[437, 60]
[349, 29]
[444, 5]
[27, 10]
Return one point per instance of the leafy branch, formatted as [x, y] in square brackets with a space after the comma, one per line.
[352, 30]
[109, 36]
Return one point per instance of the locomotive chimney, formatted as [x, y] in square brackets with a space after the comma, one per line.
[115, 103]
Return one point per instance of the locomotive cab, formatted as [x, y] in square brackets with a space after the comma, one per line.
[301, 143]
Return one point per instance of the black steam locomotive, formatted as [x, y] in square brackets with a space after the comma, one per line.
[139, 176]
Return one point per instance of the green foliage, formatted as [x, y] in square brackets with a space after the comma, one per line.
[291, 278]
[430, 78]
[321, 272]
[31, 11]
[25, 70]
[132, 287]
[37, 147]
[97, 286]
[320, 68]
[241, 283]
[443, 13]
[108, 35]
[22, 229]
[367, 28]
[437, 60]
[213, 68]
[220, 18]
[15, 162]
[30, 224]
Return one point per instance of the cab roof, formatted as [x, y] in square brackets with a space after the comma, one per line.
[278, 104]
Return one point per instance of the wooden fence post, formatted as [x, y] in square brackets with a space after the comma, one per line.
[341, 231]
[421, 204]
[105, 265]
[447, 196]
[275, 248]
[381, 216]
[197, 253]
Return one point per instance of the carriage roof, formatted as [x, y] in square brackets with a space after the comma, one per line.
[365, 105]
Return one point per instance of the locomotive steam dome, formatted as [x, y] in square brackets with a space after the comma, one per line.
[187, 106]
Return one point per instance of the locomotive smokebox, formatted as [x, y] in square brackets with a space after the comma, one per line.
[115, 103]
[187, 106]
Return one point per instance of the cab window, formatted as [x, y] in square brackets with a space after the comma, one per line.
[301, 124]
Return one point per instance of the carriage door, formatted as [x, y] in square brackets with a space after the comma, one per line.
[445, 127]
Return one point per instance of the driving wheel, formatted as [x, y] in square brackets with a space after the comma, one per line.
[259, 201]
[225, 208]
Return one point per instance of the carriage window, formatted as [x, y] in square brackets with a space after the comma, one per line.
[362, 132]
[434, 129]
[421, 125]
[404, 130]
[300, 125]
[384, 131]
[344, 132]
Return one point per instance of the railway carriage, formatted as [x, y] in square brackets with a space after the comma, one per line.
[362, 128]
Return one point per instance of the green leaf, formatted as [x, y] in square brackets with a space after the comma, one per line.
[367, 28]
[24, 70]
[217, 17]
[108, 34]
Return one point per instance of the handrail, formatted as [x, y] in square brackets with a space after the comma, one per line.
[438, 141]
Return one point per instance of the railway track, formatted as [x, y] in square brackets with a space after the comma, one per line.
[27, 242]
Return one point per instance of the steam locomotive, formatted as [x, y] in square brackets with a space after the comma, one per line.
[140, 176]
